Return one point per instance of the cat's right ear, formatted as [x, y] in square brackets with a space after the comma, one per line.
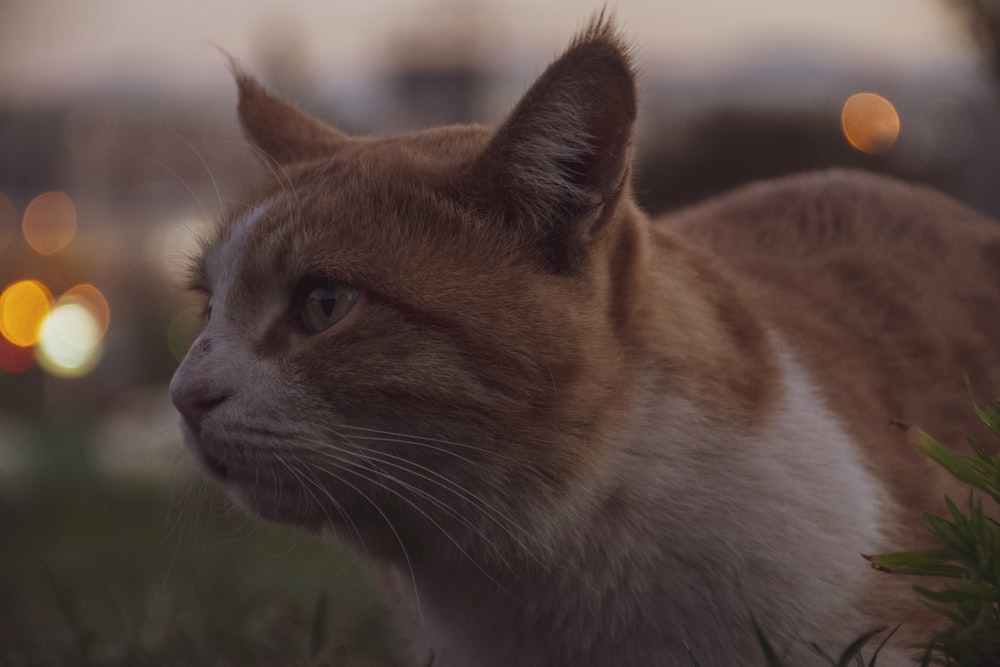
[557, 168]
[285, 134]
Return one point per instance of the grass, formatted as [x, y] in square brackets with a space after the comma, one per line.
[96, 572]
[966, 566]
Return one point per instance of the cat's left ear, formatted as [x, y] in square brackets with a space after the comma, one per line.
[557, 168]
[285, 134]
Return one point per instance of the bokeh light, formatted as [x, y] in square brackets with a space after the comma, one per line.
[69, 343]
[23, 307]
[93, 300]
[67, 338]
[870, 122]
[49, 223]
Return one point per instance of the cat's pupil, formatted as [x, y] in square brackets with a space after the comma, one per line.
[326, 305]
[326, 298]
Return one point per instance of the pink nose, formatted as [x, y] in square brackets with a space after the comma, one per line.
[194, 403]
[196, 388]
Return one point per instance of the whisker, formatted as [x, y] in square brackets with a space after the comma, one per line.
[194, 151]
[502, 520]
[530, 546]
[369, 465]
[392, 528]
[427, 442]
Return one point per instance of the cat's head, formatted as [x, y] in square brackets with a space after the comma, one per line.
[422, 329]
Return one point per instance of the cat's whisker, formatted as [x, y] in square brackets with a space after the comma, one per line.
[277, 170]
[306, 478]
[161, 127]
[528, 544]
[503, 521]
[371, 460]
[379, 478]
[430, 443]
[395, 533]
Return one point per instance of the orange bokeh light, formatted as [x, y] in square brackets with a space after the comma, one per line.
[870, 122]
[49, 222]
[23, 307]
[93, 300]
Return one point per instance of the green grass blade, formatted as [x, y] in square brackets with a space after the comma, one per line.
[885, 640]
[855, 647]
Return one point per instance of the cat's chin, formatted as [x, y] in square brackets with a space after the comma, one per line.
[268, 497]
[274, 504]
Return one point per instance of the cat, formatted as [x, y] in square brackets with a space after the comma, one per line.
[565, 434]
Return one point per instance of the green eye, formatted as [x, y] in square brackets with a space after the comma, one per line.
[326, 304]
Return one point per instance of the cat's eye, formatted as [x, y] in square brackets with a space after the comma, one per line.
[324, 304]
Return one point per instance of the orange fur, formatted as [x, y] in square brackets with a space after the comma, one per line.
[566, 434]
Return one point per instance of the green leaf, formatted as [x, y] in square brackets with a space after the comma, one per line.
[991, 417]
[936, 563]
[956, 464]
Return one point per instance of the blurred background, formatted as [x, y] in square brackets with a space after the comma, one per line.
[119, 147]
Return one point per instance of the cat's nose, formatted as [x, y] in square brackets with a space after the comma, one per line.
[195, 403]
[195, 389]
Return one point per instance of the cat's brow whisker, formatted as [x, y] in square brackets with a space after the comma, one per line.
[277, 169]
[178, 179]
[194, 151]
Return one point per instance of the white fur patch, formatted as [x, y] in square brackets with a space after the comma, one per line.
[224, 256]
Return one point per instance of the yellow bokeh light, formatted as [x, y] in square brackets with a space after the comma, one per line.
[870, 122]
[49, 222]
[23, 307]
[69, 343]
[93, 300]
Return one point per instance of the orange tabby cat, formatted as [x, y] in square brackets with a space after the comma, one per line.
[566, 435]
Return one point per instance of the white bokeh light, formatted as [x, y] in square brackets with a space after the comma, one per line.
[69, 343]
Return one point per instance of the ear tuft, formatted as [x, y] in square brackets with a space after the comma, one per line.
[602, 28]
[284, 134]
[556, 168]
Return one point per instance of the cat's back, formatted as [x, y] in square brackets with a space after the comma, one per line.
[823, 215]
[888, 293]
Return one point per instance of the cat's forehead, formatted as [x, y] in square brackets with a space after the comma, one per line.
[354, 223]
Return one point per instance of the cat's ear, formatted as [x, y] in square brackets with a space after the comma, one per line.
[558, 165]
[285, 134]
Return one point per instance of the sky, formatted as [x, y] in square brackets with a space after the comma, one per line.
[54, 48]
